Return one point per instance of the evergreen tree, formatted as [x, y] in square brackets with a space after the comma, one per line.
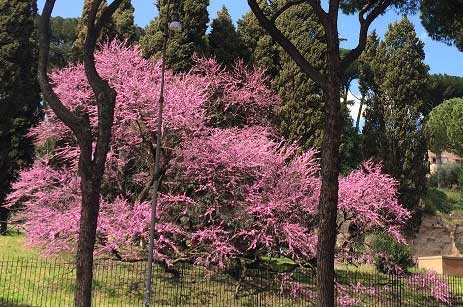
[249, 32]
[374, 128]
[300, 117]
[302, 102]
[224, 42]
[441, 88]
[121, 26]
[395, 125]
[19, 93]
[78, 46]
[63, 35]
[443, 20]
[181, 44]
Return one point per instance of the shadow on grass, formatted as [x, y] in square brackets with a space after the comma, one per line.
[4, 303]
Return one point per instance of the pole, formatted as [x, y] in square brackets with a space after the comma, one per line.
[157, 171]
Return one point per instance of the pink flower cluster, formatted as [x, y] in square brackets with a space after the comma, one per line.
[433, 284]
[227, 192]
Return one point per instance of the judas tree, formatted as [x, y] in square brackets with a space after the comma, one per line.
[231, 187]
[330, 80]
[93, 143]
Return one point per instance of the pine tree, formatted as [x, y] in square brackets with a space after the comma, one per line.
[182, 45]
[224, 42]
[396, 129]
[19, 92]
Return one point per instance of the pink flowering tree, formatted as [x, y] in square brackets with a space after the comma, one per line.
[231, 187]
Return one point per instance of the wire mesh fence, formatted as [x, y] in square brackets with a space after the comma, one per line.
[45, 282]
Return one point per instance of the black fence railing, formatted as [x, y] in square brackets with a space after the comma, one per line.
[50, 283]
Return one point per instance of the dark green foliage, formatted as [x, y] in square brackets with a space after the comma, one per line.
[121, 26]
[443, 20]
[391, 257]
[19, 93]
[435, 200]
[249, 32]
[224, 42]
[446, 176]
[182, 45]
[445, 126]
[301, 114]
[63, 35]
[393, 131]
[441, 88]
[302, 100]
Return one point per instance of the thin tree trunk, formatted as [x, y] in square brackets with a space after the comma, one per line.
[3, 220]
[359, 115]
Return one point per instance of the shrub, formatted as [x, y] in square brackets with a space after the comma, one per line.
[436, 200]
[447, 176]
[391, 256]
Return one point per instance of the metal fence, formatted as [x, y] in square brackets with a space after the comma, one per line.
[44, 283]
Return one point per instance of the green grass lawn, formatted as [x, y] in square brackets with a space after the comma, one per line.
[29, 280]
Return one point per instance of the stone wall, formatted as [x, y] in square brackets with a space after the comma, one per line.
[439, 235]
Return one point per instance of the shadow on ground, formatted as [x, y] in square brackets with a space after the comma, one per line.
[4, 303]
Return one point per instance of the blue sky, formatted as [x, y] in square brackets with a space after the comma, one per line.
[440, 57]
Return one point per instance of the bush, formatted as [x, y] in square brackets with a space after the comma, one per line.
[391, 257]
[448, 176]
[436, 200]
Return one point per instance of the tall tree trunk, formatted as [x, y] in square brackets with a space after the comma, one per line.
[329, 197]
[3, 220]
[328, 205]
[87, 235]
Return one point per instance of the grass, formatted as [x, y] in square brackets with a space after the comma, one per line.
[13, 245]
[28, 280]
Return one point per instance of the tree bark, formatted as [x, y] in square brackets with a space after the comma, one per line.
[87, 234]
[3, 220]
[327, 229]
[330, 82]
[328, 205]
[91, 162]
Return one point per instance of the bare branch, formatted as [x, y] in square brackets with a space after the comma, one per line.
[105, 96]
[286, 44]
[64, 114]
[107, 14]
[365, 23]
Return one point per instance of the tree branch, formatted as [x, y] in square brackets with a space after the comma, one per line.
[62, 112]
[319, 12]
[284, 8]
[104, 94]
[286, 44]
[363, 33]
[78, 120]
